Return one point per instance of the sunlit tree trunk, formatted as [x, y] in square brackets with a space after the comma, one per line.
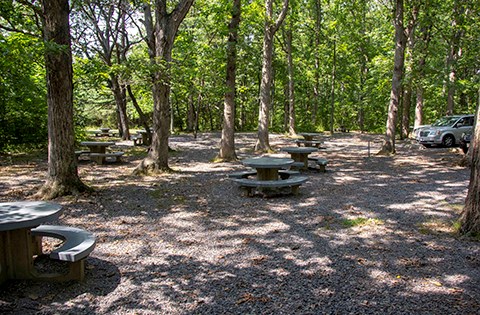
[291, 81]
[227, 143]
[388, 146]
[270, 29]
[407, 91]
[454, 53]
[62, 175]
[165, 30]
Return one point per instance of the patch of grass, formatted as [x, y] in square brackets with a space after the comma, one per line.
[437, 227]
[137, 152]
[457, 207]
[166, 198]
[361, 222]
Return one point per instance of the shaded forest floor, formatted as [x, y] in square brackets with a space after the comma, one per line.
[372, 235]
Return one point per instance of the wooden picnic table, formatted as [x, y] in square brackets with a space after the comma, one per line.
[16, 243]
[267, 167]
[300, 154]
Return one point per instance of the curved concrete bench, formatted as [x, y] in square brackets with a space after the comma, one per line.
[251, 184]
[115, 155]
[78, 244]
[284, 174]
[321, 162]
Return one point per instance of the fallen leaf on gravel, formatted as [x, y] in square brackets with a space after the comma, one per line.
[258, 260]
[434, 282]
[248, 297]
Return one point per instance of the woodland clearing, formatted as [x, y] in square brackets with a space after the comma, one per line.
[372, 235]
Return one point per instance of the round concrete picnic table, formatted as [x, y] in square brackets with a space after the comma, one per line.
[267, 167]
[97, 147]
[300, 154]
[16, 244]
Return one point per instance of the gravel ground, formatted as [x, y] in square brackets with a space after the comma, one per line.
[372, 235]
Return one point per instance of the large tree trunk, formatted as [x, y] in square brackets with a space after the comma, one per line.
[62, 175]
[166, 27]
[270, 29]
[227, 143]
[388, 146]
[470, 217]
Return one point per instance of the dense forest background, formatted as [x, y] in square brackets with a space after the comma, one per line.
[338, 56]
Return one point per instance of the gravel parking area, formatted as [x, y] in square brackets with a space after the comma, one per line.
[372, 235]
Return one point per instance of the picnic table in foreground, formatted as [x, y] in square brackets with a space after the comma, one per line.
[21, 235]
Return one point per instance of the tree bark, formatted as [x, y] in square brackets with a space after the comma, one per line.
[227, 143]
[388, 146]
[120, 95]
[454, 53]
[62, 175]
[165, 30]
[407, 94]
[470, 217]
[291, 83]
[270, 29]
[141, 115]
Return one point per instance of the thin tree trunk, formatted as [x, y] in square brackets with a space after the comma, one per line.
[119, 93]
[332, 91]
[388, 146]
[270, 29]
[62, 174]
[291, 83]
[316, 87]
[227, 143]
[190, 113]
[141, 115]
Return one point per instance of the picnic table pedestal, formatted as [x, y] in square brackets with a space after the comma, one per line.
[17, 246]
[267, 167]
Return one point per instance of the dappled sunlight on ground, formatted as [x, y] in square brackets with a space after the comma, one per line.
[373, 234]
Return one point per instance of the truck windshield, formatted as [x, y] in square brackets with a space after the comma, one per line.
[445, 121]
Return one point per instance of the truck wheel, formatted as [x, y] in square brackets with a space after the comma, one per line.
[448, 141]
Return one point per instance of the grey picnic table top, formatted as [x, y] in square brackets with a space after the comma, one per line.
[306, 150]
[27, 214]
[268, 162]
[97, 143]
